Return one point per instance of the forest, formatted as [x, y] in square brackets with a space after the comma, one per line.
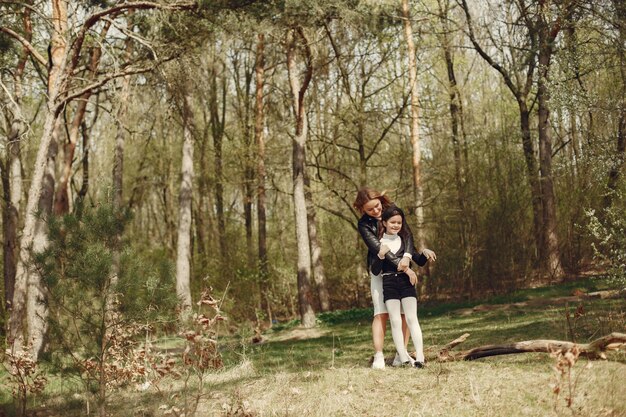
[169, 166]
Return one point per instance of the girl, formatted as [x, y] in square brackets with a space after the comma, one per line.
[371, 203]
[399, 286]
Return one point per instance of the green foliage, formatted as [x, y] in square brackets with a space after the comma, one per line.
[77, 267]
[608, 228]
[286, 325]
[5, 43]
[340, 316]
[146, 286]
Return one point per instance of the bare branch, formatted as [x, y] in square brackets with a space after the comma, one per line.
[115, 10]
[103, 81]
[33, 52]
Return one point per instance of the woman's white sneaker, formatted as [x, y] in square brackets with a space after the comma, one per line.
[379, 361]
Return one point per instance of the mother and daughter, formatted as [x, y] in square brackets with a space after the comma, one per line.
[391, 249]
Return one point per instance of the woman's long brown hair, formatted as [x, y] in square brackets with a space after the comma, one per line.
[366, 194]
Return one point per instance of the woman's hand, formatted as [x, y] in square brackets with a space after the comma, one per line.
[412, 276]
[430, 255]
[383, 251]
[404, 263]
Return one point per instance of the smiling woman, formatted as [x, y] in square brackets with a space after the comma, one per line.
[371, 203]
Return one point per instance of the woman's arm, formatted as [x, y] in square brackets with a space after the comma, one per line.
[373, 244]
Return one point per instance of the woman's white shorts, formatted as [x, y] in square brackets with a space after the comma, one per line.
[376, 286]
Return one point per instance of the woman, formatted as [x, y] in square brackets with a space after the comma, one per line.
[370, 203]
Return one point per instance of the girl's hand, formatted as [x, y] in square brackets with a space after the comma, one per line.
[382, 251]
[412, 276]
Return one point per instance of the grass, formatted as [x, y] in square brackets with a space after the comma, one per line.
[325, 371]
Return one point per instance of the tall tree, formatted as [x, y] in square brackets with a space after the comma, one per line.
[455, 106]
[615, 171]
[319, 275]
[518, 75]
[243, 70]
[183, 248]
[550, 21]
[416, 156]
[118, 155]
[299, 87]
[62, 198]
[12, 165]
[217, 111]
[259, 135]
[63, 86]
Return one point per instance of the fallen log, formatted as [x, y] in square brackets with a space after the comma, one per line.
[593, 350]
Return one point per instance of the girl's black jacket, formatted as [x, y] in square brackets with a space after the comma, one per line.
[368, 228]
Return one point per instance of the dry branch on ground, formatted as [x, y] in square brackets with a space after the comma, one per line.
[593, 350]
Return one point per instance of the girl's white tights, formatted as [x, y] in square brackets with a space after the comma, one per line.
[409, 304]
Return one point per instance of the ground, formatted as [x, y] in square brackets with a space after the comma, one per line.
[325, 371]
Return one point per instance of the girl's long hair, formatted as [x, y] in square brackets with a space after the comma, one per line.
[388, 213]
[365, 195]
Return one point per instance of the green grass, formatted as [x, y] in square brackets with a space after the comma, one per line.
[325, 371]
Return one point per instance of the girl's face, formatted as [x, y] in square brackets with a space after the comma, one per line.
[393, 225]
[373, 208]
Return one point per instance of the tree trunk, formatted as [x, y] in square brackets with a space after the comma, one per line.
[26, 277]
[217, 129]
[183, 252]
[37, 312]
[12, 173]
[533, 176]
[620, 150]
[247, 208]
[260, 142]
[298, 89]
[316, 251]
[520, 86]
[459, 168]
[62, 197]
[84, 186]
[415, 140]
[118, 164]
[552, 250]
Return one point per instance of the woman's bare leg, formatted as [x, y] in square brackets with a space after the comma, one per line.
[379, 325]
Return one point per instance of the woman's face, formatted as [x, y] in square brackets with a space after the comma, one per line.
[393, 225]
[373, 208]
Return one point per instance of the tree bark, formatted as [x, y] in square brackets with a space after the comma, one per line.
[617, 166]
[261, 175]
[217, 129]
[183, 252]
[533, 176]
[118, 163]
[298, 90]
[62, 199]
[547, 34]
[316, 250]
[460, 170]
[26, 277]
[12, 172]
[415, 139]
